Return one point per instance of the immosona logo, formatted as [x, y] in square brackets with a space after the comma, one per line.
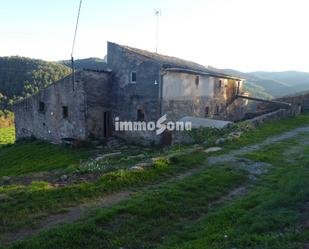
[159, 126]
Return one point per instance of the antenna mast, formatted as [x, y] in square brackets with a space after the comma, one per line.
[157, 14]
[73, 46]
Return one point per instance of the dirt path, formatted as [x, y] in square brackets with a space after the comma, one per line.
[73, 214]
[78, 212]
[231, 155]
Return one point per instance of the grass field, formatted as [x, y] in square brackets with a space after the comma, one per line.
[172, 214]
[271, 216]
[28, 157]
[177, 215]
[17, 210]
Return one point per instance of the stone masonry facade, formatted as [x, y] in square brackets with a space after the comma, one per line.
[64, 110]
[139, 86]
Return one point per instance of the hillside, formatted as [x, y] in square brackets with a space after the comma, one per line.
[21, 77]
[273, 84]
[289, 78]
[253, 85]
[88, 63]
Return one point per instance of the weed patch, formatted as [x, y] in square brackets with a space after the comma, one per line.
[7, 136]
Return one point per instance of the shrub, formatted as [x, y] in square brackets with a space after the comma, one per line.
[161, 164]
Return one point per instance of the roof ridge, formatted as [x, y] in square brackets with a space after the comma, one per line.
[144, 51]
[171, 61]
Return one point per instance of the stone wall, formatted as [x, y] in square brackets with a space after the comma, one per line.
[176, 109]
[237, 110]
[98, 101]
[127, 97]
[183, 86]
[211, 98]
[301, 99]
[275, 115]
[42, 116]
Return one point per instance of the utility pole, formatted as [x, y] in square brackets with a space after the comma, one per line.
[157, 14]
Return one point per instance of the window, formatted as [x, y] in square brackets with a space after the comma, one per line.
[65, 112]
[133, 77]
[42, 107]
[197, 81]
[206, 111]
[140, 115]
[220, 84]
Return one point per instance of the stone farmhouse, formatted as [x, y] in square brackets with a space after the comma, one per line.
[138, 85]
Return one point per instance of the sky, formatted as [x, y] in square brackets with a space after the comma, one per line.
[246, 35]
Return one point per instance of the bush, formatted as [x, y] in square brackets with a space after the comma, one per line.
[161, 164]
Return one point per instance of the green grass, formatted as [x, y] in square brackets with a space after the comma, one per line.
[7, 136]
[27, 157]
[146, 220]
[177, 214]
[269, 129]
[269, 217]
[23, 202]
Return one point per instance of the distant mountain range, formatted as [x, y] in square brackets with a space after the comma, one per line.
[273, 84]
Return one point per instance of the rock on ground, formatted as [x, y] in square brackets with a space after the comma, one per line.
[212, 149]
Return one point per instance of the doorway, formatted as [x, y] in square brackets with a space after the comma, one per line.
[167, 138]
[107, 129]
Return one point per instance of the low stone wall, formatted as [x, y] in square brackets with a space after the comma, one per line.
[185, 138]
[275, 115]
[302, 100]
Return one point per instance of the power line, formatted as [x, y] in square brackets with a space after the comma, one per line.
[76, 27]
[73, 46]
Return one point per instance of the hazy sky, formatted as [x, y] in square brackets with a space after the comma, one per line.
[246, 35]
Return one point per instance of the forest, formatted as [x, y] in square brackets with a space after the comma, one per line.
[21, 77]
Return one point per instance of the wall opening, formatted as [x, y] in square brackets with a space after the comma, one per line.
[42, 107]
[220, 84]
[167, 138]
[140, 115]
[133, 77]
[107, 129]
[206, 111]
[65, 112]
[197, 81]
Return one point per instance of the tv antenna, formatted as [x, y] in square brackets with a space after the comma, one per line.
[74, 40]
[157, 13]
